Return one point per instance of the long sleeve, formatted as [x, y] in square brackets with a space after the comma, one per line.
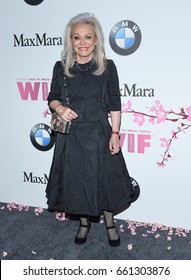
[55, 91]
[114, 98]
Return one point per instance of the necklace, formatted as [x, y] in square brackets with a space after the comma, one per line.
[84, 67]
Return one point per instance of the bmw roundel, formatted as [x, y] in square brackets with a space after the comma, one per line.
[125, 37]
[41, 137]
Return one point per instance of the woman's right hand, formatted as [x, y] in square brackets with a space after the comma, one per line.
[66, 113]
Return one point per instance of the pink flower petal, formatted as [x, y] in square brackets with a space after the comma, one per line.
[130, 246]
[38, 210]
[61, 217]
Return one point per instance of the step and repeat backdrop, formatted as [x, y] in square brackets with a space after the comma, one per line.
[150, 44]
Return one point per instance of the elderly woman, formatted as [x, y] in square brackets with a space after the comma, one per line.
[88, 176]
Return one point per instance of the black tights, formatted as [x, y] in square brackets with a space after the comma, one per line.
[109, 222]
[82, 232]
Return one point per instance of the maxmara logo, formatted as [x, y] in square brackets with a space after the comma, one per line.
[135, 91]
[32, 178]
[36, 41]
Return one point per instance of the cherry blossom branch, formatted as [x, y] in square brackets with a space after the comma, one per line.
[167, 143]
[159, 114]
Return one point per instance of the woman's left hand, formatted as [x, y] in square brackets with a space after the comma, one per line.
[114, 144]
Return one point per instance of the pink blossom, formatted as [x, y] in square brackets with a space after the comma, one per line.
[23, 207]
[154, 228]
[130, 225]
[157, 236]
[20, 208]
[130, 246]
[152, 120]
[11, 206]
[170, 232]
[139, 118]
[188, 110]
[161, 114]
[155, 106]
[157, 102]
[5, 254]
[3, 207]
[46, 112]
[133, 232]
[174, 134]
[164, 143]
[61, 217]
[169, 238]
[126, 106]
[121, 228]
[26, 208]
[38, 210]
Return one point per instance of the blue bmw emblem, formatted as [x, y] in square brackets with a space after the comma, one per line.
[41, 137]
[125, 37]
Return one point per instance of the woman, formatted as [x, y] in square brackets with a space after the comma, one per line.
[88, 176]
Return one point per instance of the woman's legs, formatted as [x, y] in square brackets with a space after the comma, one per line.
[113, 236]
[83, 230]
[84, 227]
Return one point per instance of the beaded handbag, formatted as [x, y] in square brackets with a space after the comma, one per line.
[57, 123]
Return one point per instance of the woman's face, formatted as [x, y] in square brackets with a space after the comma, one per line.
[83, 41]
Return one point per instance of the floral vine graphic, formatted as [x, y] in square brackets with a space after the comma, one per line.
[157, 114]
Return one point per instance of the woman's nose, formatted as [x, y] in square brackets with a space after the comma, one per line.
[82, 41]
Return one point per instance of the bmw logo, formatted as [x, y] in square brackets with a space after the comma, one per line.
[34, 2]
[41, 137]
[125, 37]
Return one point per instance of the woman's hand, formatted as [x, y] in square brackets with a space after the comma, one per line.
[114, 144]
[66, 113]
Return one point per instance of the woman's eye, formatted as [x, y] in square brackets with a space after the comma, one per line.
[76, 38]
[88, 37]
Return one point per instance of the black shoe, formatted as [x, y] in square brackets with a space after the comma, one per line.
[81, 240]
[113, 242]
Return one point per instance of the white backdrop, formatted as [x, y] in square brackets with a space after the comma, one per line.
[161, 64]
